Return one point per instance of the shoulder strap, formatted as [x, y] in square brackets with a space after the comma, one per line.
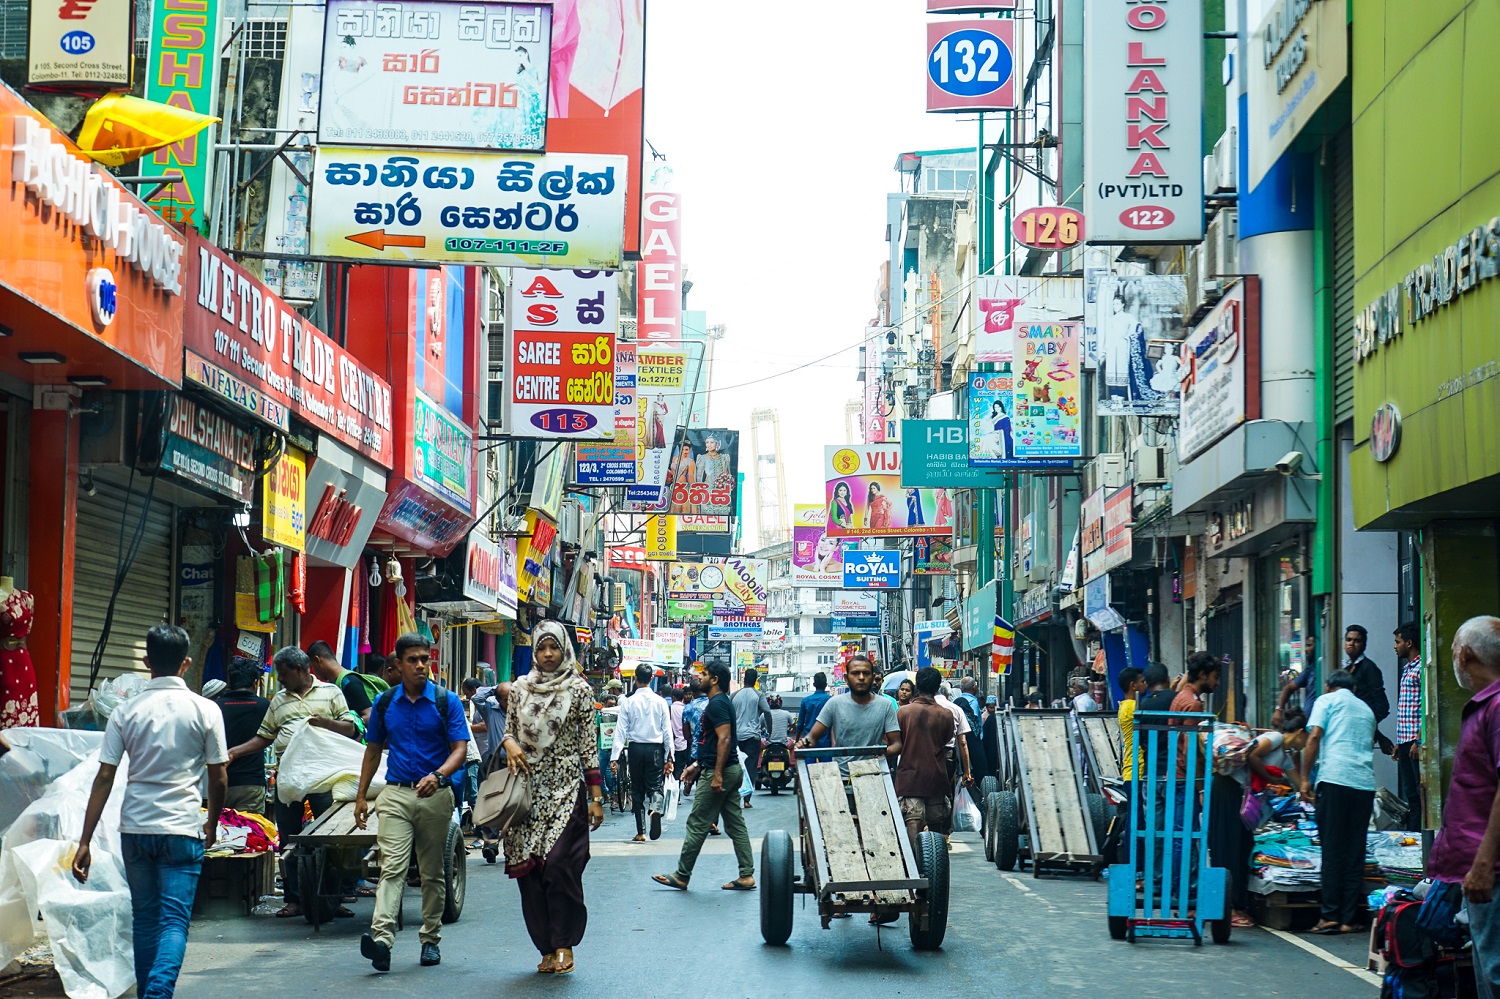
[382, 704]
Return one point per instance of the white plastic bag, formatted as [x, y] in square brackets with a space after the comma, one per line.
[317, 760]
[672, 787]
[965, 812]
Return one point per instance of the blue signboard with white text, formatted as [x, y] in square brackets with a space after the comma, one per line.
[872, 570]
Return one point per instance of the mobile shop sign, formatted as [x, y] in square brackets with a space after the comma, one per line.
[561, 368]
[1220, 369]
[84, 42]
[865, 569]
[659, 276]
[250, 348]
[208, 449]
[182, 70]
[442, 456]
[1143, 100]
[613, 464]
[435, 73]
[495, 209]
[971, 65]
[745, 585]
[1046, 391]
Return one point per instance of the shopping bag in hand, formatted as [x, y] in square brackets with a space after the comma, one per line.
[672, 788]
[965, 812]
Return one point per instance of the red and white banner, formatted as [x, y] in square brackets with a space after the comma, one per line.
[659, 277]
[627, 557]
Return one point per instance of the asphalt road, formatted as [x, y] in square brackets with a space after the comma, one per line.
[1007, 934]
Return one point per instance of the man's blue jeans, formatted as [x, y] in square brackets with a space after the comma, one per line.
[163, 875]
[1484, 927]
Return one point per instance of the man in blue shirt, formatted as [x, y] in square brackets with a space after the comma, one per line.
[812, 705]
[424, 728]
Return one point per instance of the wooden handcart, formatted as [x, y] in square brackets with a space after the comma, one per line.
[1044, 814]
[856, 856]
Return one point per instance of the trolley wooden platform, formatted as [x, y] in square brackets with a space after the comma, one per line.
[1044, 813]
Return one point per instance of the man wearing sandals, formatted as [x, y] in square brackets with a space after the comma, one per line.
[1340, 750]
[720, 797]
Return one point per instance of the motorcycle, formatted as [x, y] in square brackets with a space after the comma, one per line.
[776, 769]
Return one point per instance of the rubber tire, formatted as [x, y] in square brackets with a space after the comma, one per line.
[776, 887]
[1007, 830]
[991, 810]
[988, 786]
[932, 862]
[1220, 929]
[455, 875]
[308, 887]
[1099, 817]
[1118, 927]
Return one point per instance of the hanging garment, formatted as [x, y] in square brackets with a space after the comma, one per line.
[18, 705]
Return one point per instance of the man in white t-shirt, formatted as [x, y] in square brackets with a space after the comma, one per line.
[1079, 697]
[171, 735]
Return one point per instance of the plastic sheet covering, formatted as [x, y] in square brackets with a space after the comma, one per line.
[317, 760]
[88, 925]
[38, 757]
[93, 714]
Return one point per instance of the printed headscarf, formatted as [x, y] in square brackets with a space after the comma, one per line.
[546, 699]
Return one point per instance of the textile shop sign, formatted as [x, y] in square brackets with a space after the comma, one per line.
[345, 494]
[1455, 271]
[1219, 364]
[872, 569]
[442, 456]
[248, 347]
[284, 501]
[863, 486]
[206, 448]
[81, 42]
[1143, 100]
[494, 209]
[1299, 57]
[561, 371]
[433, 73]
[182, 69]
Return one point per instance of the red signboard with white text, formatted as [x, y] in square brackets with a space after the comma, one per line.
[627, 557]
[659, 276]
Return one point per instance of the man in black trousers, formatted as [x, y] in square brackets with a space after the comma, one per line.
[643, 733]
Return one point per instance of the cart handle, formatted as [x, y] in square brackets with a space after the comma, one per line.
[840, 753]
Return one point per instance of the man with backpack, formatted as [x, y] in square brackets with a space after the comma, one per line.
[360, 689]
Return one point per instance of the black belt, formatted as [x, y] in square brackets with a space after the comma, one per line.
[413, 783]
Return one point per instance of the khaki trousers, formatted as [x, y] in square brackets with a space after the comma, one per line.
[410, 826]
[247, 798]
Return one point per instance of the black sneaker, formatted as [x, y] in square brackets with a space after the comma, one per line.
[430, 955]
[656, 825]
[377, 953]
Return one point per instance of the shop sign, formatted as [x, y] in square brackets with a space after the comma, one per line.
[634, 651]
[701, 523]
[206, 448]
[1119, 521]
[284, 501]
[1454, 271]
[868, 625]
[968, 6]
[872, 570]
[627, 557]
[659, 280]
[662, 393]
[661, 538]
[733, 628]
[931, 556]
[249, 347]
[1143, 100]
[1137, 323]
[852, 603]
[865, 497]
[104, 296]
[690, 611]
[1299, 56]
[343, 504]
[1046, 392]
[745, 585]
[561, 372]
[971, 65]
[1048, 227]
[704, 477]
[532, 574]
[1097, 606]
[1385, 432]
[669, 644]
[1219, 364]
[772, 636]
[695, 580]
[442, 457]
[182, 69]
[979, 618]
[423, 521]
[1235, 521]
[436, 74]
[1034, 604]
[494, 209]
[1004, 303]
[485, 569]
[1091, 520]
[88, 43]
[935, 453]
[817, 559]
[613, 464]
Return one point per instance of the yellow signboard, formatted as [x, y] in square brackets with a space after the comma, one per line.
[284, 501]
[661, 539]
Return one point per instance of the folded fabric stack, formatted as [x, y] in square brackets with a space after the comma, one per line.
[1394, 857]
[1288, 858]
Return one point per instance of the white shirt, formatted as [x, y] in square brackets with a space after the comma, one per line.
[1083, 703]
[644, 718]
[170, 735]
[958, 712]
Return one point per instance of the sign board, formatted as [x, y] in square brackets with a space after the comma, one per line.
[878, 569]
[734, 628]
[1046, 392]
[484, 571]
[613, 464]
[850, 603]
[1048, 227]
[496, 209]
[442, 453]
[210, 450]
[433, 73]
[971, 65]
[560, 374]
[1119, 521]
[699, 523]
[182, 69]
[284, 501]
[979, 618]
[661, 539]
[935, 453]
[1299, 56]
[968, 6]
[690, 611]
[817, 559]
[1097, 605]
[532, 551]
[661, 407]
[1219, 364]
[627, 557]
[345, 494]
[865, 497]
[703, 474]
[419, 518]
[669, 645]
[931, 556]
[1003, 303]
[659, 274]
[1091, 542]
[81, 42]
[1143, 100]
[1139, 322]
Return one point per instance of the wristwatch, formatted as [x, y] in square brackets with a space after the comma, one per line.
[439, 777]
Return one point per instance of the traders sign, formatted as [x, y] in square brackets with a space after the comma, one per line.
[209, 449]
[1219, 364]
[1143, 100]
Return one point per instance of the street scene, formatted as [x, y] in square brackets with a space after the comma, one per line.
[913, 498]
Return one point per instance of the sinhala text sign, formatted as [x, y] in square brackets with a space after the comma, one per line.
[560, 373]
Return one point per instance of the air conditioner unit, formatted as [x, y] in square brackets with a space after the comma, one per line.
[1226, 157]
[1223, 234]
[1106, 471]
[1150, 463]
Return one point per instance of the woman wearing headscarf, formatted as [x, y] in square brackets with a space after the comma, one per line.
[549, 736]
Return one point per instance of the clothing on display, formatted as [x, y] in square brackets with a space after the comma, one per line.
[18, 702]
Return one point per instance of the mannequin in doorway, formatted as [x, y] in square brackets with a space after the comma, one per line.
[18, 704]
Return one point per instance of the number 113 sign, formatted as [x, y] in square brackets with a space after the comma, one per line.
[971, 65]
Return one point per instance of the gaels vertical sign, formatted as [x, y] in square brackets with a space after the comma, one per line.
[1143, 99]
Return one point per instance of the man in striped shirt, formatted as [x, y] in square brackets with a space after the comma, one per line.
[1408, 750]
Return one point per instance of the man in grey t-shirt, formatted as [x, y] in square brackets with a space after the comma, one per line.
[860, 717]
[752, 719]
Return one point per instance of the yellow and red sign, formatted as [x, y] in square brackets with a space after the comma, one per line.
[284, 501]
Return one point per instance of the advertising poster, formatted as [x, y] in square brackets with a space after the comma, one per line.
[690, 611]
[182, 69]
[1091, 538]
[865, 497]
[284, 513]
[745, 586]
[494, 209]
[703, 474]
[1047, 383]
[1005, 302]
[1217, 395]
[507, 598]
[613, 464]
[1140, 327]
[932, 556]
[560, 371]
[992, 428]
[817, 558]
[659, 278]
[872, 569]
[433, 73]
[442, 453]
[90, 43]
[661, 539]
[660, 404]
[1304, 56]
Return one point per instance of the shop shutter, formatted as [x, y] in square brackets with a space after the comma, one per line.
[1342, 205]
[146, 596]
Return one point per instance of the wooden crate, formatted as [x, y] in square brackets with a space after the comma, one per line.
[233, 885]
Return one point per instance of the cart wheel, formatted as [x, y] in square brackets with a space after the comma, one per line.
[932, 861]
[991, 810]
[455, 875]
[1220, 929]
[317, 908]
[988, 786]
[1007, 830]
[1099, 817]
[776, 887]
[1118, 927]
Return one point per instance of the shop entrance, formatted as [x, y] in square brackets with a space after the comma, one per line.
[1226, 637]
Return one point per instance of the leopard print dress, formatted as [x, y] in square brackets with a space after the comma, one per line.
[556, 776]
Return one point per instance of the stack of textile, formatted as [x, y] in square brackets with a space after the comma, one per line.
[1288, 858]
[1394, 857]
[243, 832]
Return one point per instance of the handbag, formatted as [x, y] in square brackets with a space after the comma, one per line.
[1253, 809]
[504, 800]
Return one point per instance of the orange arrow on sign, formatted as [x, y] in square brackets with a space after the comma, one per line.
[376, 239]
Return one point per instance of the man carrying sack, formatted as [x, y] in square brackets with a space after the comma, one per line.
[424, 727]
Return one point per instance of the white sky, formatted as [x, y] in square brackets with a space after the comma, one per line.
[782, 122]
